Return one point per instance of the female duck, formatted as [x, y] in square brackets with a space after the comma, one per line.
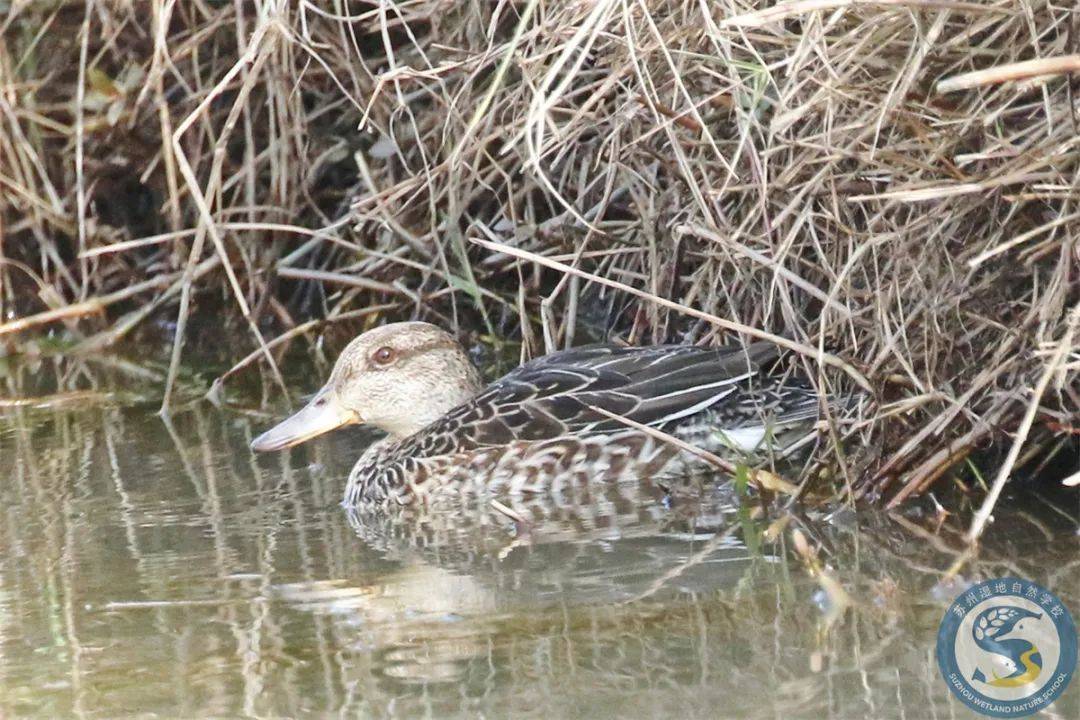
[544, 425]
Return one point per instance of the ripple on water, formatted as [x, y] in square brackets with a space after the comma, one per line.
[146, 569]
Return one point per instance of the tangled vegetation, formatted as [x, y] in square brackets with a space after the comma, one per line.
[888, 188]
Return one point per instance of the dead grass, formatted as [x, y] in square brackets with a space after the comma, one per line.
[890, 186]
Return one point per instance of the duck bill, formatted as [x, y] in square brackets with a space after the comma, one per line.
[323, 414]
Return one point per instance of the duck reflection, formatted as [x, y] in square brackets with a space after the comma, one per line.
[465, 570]
[408, 619]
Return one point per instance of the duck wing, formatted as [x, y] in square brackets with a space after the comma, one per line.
[556, 395]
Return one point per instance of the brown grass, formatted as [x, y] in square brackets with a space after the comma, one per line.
[794, 171]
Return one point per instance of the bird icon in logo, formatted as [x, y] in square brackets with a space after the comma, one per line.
[1018, 657]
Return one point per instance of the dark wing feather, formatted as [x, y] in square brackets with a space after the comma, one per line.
[554, 395]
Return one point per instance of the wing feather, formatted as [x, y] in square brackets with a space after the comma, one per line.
[554, 395]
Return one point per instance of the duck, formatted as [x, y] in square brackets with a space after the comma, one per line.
[560, 422]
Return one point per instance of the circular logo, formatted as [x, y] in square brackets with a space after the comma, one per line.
[1007, 647]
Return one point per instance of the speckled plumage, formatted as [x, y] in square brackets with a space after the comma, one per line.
[546, 426]
[535, 429]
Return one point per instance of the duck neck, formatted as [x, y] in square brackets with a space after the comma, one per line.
[457, 390]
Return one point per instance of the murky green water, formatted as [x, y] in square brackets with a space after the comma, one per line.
[149, 570]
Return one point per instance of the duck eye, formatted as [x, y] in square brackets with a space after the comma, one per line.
[384, 356]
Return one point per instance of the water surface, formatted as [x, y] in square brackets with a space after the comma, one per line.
[153, 569]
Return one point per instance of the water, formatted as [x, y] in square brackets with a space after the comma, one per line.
[154, 570]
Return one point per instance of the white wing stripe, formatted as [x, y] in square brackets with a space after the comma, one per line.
[694, 408]
[719, 383]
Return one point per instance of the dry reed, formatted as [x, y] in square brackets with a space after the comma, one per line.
[890, 186]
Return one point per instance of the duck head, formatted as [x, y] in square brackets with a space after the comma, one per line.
[399, 378]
